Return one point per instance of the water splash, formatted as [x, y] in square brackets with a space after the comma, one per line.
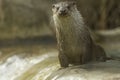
[16, 67]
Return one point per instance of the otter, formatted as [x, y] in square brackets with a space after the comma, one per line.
[75, 44]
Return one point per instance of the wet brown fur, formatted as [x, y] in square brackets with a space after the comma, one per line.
[75, 44]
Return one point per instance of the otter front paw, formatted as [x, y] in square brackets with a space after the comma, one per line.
[63, 60]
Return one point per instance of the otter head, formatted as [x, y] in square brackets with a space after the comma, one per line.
[63, 9]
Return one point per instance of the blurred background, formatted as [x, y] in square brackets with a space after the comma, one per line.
[22, 19]
[27, 37]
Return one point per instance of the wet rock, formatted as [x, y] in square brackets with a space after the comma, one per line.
[109, 70]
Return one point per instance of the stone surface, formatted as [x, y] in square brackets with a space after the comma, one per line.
[109, 70]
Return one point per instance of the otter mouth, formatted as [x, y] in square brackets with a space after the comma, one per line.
[63, 14]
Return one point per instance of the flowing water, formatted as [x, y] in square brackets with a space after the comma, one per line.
[32, 62]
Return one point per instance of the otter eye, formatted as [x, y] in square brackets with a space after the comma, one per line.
[68, 7]
[57, 8]
[53, 6]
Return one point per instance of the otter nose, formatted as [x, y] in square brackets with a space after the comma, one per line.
[63, 12]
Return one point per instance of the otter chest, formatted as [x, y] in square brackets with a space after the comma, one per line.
[68, 39]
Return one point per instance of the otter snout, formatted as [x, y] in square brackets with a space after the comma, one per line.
[62, 12]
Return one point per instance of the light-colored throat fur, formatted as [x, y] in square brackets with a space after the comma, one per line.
[71, 25]
[71, 32]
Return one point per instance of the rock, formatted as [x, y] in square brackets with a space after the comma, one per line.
[109, 70]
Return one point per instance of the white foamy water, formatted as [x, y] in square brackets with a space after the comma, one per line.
[15, 66]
